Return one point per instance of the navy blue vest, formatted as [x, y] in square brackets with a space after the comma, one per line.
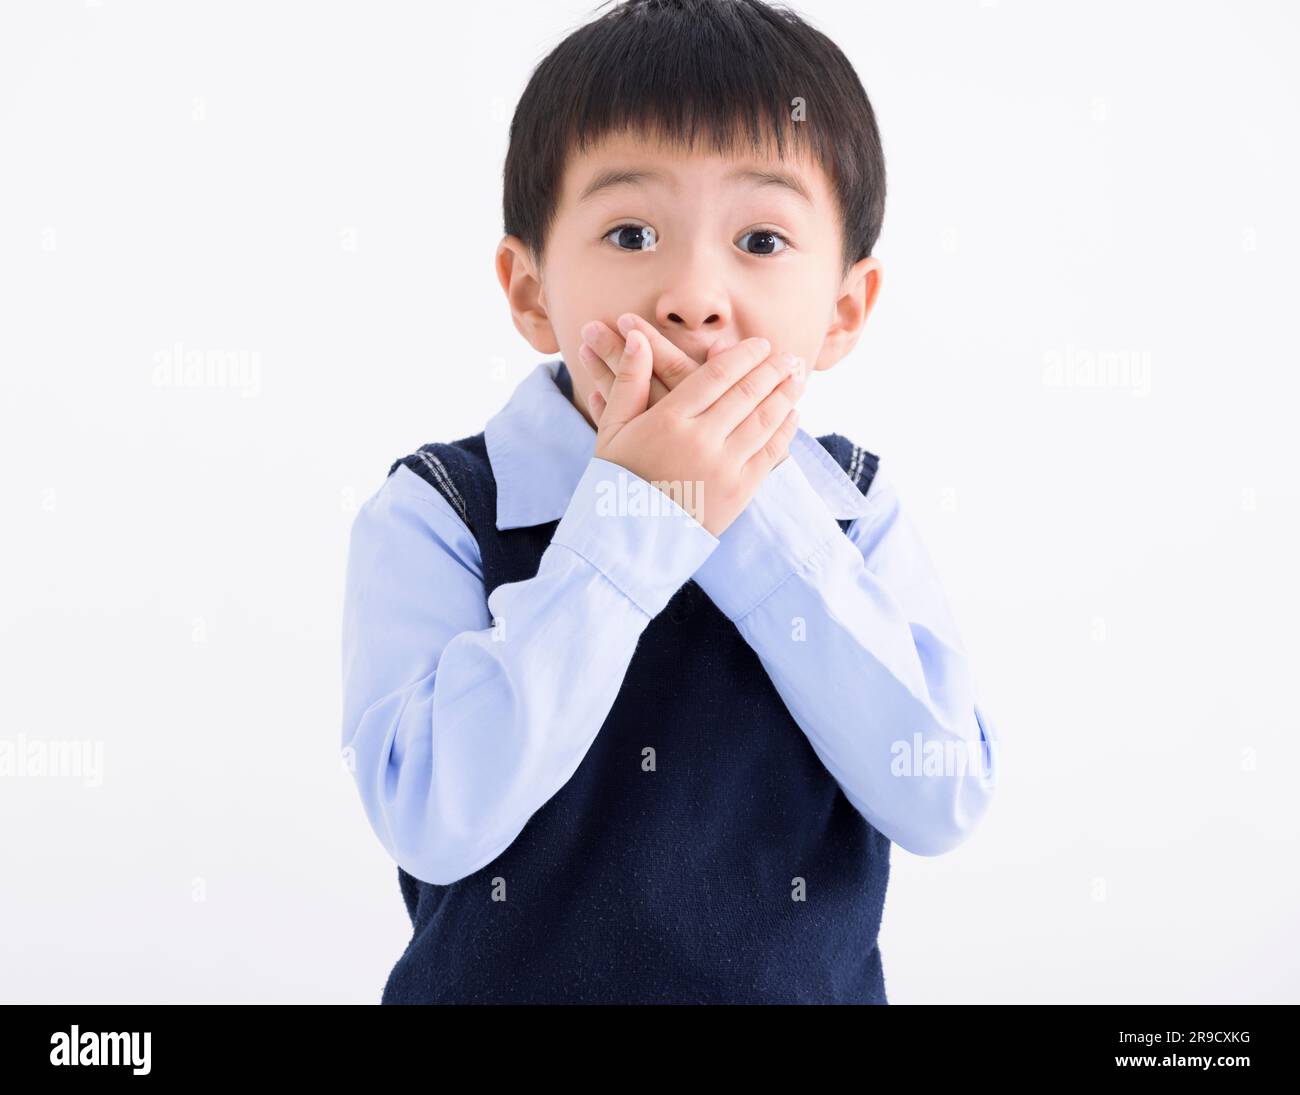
[735, 871]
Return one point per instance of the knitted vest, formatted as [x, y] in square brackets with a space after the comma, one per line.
[730, 868]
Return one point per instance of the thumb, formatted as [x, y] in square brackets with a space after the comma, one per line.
[629, 395]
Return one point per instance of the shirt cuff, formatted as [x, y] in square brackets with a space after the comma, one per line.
[634, 534]
[784, 527]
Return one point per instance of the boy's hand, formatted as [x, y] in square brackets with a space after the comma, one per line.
[602, 351]
[710, 441]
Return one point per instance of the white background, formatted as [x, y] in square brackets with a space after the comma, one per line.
[319, 185]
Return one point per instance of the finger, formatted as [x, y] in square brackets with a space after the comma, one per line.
[724, 343]
[602, 376]
[706, 385]
[671, 365]
[775, 448]
[630, 393]
[740, 400]
[608, 345]
[657, 389]
[608, 348]
[596, 405]
[757, 427]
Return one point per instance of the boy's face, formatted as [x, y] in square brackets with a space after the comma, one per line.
[715, 268]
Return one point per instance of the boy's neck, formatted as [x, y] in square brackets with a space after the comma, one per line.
[572, 394]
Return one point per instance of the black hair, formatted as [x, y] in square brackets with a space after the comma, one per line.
[678, 68]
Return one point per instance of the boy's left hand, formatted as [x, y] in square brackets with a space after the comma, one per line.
[602, 351]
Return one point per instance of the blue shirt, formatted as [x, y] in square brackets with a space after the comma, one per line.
[463, 714]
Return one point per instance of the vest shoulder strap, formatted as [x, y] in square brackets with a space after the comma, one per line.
[453, 469]
[859, 464]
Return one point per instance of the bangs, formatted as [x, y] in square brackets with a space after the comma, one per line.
[724, 76]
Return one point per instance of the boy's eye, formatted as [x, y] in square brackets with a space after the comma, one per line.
[766, 241]
[641, 237]
[638, 237]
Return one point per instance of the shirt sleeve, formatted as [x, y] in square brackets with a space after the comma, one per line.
[856, 634]
[464, 713]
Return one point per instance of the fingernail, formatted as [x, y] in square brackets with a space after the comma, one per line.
[625, 323]
[590, 330]
[797, 371]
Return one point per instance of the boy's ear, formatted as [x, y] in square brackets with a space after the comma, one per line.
[849, 313]
[517, 272]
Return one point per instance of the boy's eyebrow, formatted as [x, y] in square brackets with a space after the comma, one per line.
[618, 176]
[769, 177]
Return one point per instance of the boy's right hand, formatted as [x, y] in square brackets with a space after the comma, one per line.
[709, 442]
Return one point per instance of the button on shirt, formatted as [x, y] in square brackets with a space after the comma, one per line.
[463, 713]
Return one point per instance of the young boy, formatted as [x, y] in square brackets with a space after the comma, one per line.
[642, 681]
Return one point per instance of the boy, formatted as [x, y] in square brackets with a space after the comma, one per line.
[642, 681]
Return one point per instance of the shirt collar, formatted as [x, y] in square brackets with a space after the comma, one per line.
[539, 445]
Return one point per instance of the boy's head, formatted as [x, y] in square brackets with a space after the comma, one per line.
[643, 176]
